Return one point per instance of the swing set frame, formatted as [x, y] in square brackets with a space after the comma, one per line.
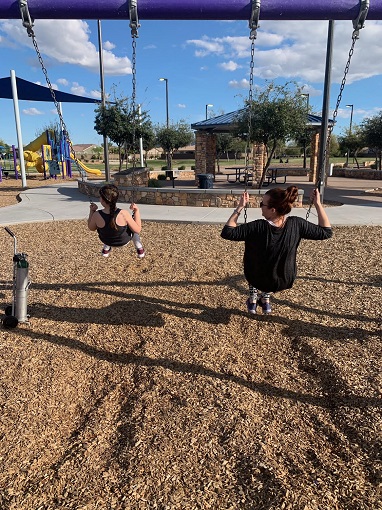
[255, 5]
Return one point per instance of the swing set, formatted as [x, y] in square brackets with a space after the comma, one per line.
[205, 9]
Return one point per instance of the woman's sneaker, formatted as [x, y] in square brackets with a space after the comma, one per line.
[141, 252]
[265, 304]
[106, 250]
[251, 307]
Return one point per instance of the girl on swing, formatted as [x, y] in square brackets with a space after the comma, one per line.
[271, 243]
[116, 227]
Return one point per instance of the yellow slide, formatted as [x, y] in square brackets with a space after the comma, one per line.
[36, 144]
[31, 156]
[94, 171]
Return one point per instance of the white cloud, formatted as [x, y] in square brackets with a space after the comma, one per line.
[96, 94]
[63, 81]
[229, 66]
[32, 111]
[78, 89]
[242, 84]
[107, 45]
[180, 105]
[67, 41]
[297, 50]
[206, 46]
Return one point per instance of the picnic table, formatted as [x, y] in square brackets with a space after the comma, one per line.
[241, 174]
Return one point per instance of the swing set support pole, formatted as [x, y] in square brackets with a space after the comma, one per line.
[323, 149]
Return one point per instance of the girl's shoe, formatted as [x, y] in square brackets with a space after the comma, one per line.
[106, 251]
[141, 252]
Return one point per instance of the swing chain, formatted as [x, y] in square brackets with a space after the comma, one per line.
[28, 24]
[253, 25]
[134, 25]
[134, 114]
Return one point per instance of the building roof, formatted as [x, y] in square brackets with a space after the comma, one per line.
[82, 147]
[226, 122]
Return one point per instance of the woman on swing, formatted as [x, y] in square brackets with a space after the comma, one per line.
[271, 243]
[116, 227]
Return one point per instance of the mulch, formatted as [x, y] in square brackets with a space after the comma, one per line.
[145, 384]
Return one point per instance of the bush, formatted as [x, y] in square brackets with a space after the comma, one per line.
[161, 177]
[153, 183]
[164, 167]
[193, 167]
[182, 167]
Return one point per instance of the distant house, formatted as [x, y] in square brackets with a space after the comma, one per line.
[84, 149]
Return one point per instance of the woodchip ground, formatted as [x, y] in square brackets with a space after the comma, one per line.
[144, 384]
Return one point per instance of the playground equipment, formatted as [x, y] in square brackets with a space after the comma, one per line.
[17, 312]
[51, 156]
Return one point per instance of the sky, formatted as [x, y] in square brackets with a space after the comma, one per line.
[205, 63]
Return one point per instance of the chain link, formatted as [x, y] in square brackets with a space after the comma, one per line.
[335, 113]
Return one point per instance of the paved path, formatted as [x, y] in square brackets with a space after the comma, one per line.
[65, 202]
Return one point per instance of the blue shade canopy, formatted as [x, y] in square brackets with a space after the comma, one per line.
[29, 91]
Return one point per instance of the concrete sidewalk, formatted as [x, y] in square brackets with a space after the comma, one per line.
[65, 202]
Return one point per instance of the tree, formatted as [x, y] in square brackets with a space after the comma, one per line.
[224, 143]
[351, 143]
[123, 126]
[53, 126]
[4, 147]
[97, 151]
[276, 115]
[172, 138]
[371, 129]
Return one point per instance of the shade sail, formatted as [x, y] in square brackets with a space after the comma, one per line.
[29, 91]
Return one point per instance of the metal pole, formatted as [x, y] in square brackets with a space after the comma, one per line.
[105, 140]
[167, 115]
[140, 139]
[18, 128]
[207, 105]
[351, 122]
[323, 153]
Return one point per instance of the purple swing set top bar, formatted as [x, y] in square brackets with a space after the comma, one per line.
[192, 9]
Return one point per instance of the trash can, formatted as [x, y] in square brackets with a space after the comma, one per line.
[206, 181]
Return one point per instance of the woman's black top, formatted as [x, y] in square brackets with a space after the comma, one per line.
[109, 235]
[270, 252]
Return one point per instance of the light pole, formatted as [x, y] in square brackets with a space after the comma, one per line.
[351, 123]
[207, 105]
[167, 116]
[307, 113]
